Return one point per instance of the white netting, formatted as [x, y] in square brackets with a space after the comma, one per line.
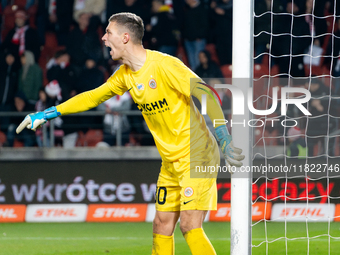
[297, 45]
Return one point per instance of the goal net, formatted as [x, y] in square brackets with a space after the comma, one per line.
[296, 155]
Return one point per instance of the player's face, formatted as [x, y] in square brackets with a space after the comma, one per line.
[114, 40]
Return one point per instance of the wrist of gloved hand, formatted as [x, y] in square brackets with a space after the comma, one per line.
[231, 154]
[223, 137]
[51, 113]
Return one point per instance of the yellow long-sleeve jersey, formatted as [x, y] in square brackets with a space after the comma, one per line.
[162, 91]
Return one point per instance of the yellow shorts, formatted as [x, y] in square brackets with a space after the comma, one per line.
[177, 191]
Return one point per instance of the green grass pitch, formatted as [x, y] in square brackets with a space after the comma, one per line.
[136, 238]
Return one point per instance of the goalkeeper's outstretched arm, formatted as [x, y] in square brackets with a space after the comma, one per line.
[78, 103]
[231, 154]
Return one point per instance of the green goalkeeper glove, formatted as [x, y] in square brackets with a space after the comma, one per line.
[232, 155]
[35, 120]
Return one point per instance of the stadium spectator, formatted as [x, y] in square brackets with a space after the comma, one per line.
[43, 103]
[60, 69]
[297, 144]
[207, 67]
[53, 93]
[114, 121]
[22, 37]
[272, 22]
[27, 138]
[315, 19]
[195, 30]
[334, 50]
[61, 73]
[293, 41]
[90, 78]
[29, 3]
[83, 43]
[139, 131]
[332, 7]
[9, 69]
[222, 18]
[262, 28]
[317, 30]
[92, 7]
[30, 79]
[55, 16]
[163, 29]
[138, 7]
[321, 122]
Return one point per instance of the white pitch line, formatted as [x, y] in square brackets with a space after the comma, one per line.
[145, 238]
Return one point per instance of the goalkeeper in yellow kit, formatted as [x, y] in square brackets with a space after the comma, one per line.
[160, 85]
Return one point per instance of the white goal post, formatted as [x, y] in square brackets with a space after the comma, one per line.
[242, 77]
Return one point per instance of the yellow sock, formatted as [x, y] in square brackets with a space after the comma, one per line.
[198, 242]
[163, 245]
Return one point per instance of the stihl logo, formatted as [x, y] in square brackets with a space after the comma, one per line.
[12, 213]
[223, 211]
[8, 214]
[55, 212]
[221, 214]
[116, 213]
[260, 210]
[337, 213]
[302, 212]
[256, 211]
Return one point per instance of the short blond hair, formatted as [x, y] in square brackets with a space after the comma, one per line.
[132, 22]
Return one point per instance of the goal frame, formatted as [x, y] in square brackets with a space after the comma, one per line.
[242, 77]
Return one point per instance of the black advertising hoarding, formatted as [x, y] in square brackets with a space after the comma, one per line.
[78, 182]
[32, 182]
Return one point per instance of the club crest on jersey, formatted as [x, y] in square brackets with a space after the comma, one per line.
[188, 192]
[152, 84]
[140, 86]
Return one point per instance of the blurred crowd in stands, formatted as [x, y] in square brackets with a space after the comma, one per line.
[51, 50]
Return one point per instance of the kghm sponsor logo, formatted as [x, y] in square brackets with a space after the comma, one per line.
[154, 107]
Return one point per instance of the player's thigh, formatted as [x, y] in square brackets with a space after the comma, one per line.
[168, 190]
[198, 193]
[165, 222]
[191, 219]
[167, 200]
